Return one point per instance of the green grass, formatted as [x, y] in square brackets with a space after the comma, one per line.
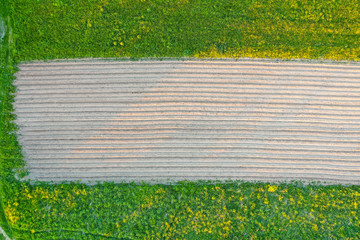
[47, 29]
[10, 151]
[185, 211]
[223, 28]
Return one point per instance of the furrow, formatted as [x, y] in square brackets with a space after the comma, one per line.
[59, 118]
[196, 156]
[74, 101]
[160, 83]
[141, 88]
[193, 159]
[53, 139]
[174, 71]
[191, 141]
[176, 148]
[201, 125]
[192, 173]
[191, 168]
[186, 65]
[100, 62]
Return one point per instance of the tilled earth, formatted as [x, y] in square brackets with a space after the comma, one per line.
[162, 121]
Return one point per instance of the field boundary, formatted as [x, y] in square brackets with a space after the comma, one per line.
[276, 60]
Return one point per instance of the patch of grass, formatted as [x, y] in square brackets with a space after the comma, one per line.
[49, 29]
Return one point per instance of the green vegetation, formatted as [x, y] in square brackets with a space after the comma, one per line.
[163, 28]
[10, 151]
[47, 29]
[185, 211]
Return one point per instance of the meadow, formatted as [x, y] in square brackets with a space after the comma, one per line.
[58, 29]
[327, 29]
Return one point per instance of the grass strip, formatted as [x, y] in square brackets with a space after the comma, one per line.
[189, 210]
[50, 29]
[10, 151]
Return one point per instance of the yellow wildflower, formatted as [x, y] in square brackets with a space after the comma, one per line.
[11, 214]
[272, 188]
[160, 190]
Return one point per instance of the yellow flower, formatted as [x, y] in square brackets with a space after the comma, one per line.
[11, 214]
[272, 188]
[114, 43]
[160, 190]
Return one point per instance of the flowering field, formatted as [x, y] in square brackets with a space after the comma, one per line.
[328, 29]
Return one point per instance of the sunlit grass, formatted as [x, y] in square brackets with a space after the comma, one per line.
[187, 211]
[286, 29]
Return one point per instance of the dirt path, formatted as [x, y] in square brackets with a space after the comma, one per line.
[172, 120]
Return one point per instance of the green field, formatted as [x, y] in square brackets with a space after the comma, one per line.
[39, 29]
[328, 29]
